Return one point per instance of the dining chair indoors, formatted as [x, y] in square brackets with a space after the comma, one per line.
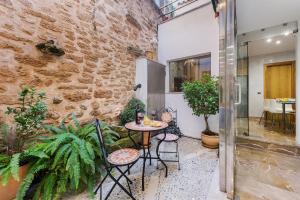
[119, 158]
[275, 109]
[266, 110]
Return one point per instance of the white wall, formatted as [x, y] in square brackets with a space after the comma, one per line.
[256, 79]
[194, 33]
[190, 7]
[141, 78]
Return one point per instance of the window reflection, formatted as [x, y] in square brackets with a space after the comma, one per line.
[189, 69]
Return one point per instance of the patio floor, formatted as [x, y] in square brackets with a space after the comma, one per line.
[197, 179]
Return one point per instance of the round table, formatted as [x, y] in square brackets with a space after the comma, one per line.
[146, 134]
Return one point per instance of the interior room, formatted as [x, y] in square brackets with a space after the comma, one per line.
[266, 65]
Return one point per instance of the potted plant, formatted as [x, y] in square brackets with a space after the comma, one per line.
[203, 97]
[74, 161]
[128, 114]
[28, 117]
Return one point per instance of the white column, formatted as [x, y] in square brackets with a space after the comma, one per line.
[298, 87]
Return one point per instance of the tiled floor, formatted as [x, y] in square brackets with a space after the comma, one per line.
[197, 179]
[265, 175]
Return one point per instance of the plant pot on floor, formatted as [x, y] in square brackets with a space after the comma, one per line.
[210, 141]
[9, 191]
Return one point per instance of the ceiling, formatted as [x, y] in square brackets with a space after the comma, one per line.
[262, 47]
[256, 14]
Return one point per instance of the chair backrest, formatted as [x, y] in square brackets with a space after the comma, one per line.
[267, 104]
[289, 108]
[101, 141]
[275, 106]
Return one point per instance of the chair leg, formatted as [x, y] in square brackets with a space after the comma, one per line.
[100, 184]
[262, 115]
[266, 119]
[272, 120]
[121, 186]
[117, 183]
[123, 174]
[128, 186]
[177, 155]
[176, 149]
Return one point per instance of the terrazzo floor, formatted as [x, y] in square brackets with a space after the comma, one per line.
[197, 179]
[265, 175]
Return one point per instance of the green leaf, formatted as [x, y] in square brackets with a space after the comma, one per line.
[14, 166]
[75, 120]
[59, 154]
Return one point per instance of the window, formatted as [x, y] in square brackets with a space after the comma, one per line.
[189, 69]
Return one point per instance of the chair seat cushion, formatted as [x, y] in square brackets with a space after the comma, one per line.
[123, 156]
[169, 137]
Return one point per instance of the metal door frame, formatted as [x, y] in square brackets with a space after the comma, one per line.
[228, 61]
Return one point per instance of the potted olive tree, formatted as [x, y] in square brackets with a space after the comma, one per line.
[203, 97]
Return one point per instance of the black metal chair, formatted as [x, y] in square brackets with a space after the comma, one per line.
[119, 158]
[173, 133]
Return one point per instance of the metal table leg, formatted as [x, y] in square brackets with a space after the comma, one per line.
[144, 163]
[157, 153]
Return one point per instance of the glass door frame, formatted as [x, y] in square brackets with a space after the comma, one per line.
[227, 123]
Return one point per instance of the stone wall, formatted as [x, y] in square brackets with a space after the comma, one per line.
[95, 77]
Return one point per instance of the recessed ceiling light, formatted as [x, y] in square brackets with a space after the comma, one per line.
[287, 33]
[278, 42]
[269, 40]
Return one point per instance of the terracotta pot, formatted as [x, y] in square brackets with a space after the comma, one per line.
[210, 141]
[9, 191]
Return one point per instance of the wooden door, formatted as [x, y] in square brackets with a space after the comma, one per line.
[279, 80]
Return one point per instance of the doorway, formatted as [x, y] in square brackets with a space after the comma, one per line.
[279, 80]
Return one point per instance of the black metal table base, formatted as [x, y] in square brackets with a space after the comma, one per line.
[148, 154]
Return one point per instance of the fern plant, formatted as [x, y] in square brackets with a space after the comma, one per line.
[74, 160]
[28, 117]
[9, 165]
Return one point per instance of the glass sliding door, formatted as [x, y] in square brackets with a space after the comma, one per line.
[241, 98]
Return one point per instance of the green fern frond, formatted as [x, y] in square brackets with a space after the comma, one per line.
[67, 155]
[54, 129]
[59, 154]
[50, 181]
[5, 175]
[25, 186]
[75, 120]
[15, 165]
[71, 129]
[37, 193]
[35, 153]
[90, 150]
[73, 166]
[32, 171]
[59, 139]
[61, 185]
[63, 123]
[90, 186]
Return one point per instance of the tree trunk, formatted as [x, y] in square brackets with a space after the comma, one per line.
[207, 129]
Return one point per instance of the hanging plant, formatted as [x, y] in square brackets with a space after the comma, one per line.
[50, 48]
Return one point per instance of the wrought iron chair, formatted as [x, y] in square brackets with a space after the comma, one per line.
[173, 133]
[119, 158]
